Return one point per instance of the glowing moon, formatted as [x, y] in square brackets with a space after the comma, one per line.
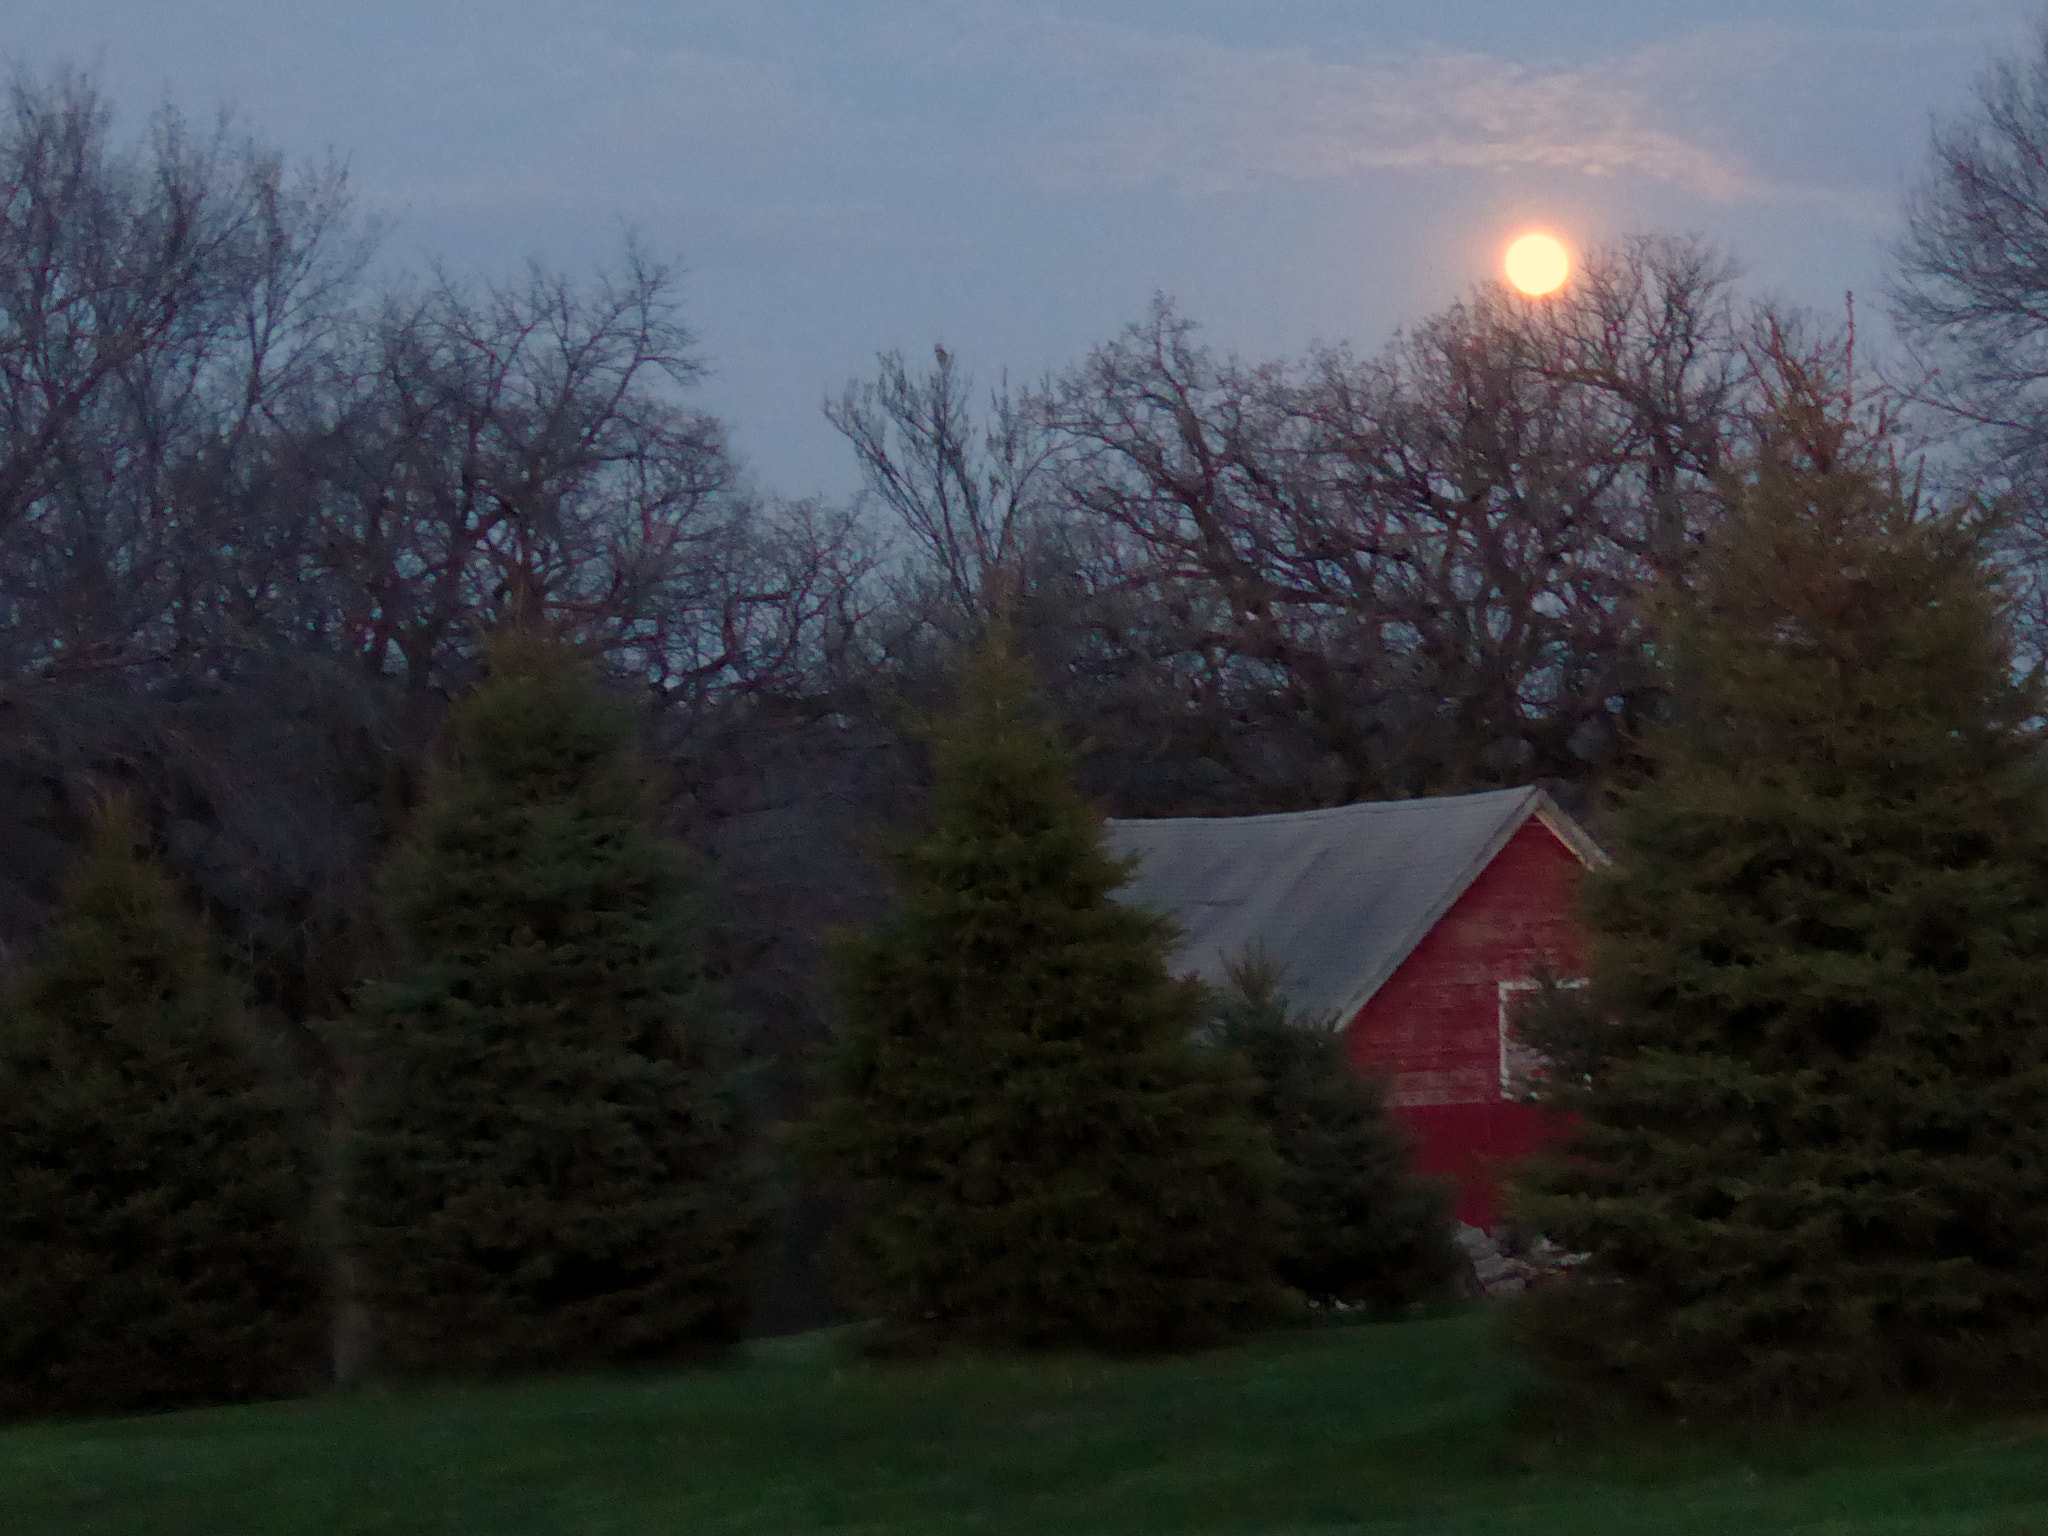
[1538, 264]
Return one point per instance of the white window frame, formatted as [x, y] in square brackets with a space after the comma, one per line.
[1507, 990]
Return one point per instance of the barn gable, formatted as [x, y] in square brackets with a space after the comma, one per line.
[1340, 897]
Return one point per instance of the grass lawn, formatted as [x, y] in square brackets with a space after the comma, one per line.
[1409, 1427]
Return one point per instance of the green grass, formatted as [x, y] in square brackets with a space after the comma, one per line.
[1413, 1427]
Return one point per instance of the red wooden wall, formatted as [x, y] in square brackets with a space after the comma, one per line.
[1433, 1029]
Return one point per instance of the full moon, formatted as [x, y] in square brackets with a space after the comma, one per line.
[1538, 264]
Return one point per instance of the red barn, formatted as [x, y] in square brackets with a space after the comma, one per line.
[1413, 924]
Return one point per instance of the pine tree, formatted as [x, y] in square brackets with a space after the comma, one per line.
[1811, 1066]
[549, 1164]
[1356, 1224]
[1039, 1154]
[158, 1167]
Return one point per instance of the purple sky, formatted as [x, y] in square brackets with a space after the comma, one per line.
[1017, 177]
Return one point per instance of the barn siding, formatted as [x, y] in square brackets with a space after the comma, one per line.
[1433, 1029]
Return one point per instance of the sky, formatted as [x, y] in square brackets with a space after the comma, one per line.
[1018, 178]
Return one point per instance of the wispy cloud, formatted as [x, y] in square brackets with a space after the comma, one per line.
[1148, 105]
[1239, 122]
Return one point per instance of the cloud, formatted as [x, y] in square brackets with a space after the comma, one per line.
[1236, 121]
[1294, 118]
[1143, 104]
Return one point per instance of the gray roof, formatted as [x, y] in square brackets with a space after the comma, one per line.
[1339, 897]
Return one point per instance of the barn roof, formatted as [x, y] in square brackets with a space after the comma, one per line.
[1339, 897]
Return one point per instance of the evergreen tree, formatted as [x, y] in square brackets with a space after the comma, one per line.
[1040, 1154]
[1356, 1224]
[157, 1170]
[549, 1164]
[1810, 1068]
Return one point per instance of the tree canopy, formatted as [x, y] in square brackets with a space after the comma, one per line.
[1811, 1163]
[549, 1160]
[159, 1241]
[1036, 1153]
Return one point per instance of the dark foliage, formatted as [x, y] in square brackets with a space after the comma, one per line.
[786, 810]
[1038, 1154]
[1356, 1224]
[549, 1163]
[157, 1170]
[1811, 1061]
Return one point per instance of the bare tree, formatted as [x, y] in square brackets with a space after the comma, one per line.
[158, 308]
[1648, 334]
[1420, 567]
[1970, 294]
[1972, 283]
[969, 491]
[521, 437]
[532, 441]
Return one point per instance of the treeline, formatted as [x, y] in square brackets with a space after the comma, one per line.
[258, 512]
[543, 1155]
[255, 509]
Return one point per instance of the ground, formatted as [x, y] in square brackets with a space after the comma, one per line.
[1402, 1428]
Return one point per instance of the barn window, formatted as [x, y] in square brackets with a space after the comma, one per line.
[1522, 1066]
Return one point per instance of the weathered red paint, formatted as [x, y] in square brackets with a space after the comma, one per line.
[1433, 1028]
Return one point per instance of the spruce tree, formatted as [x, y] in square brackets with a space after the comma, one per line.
[549, 1165]
[1039, 1154]
[1356, 1224]
[157, 1166]
[1810, 1069]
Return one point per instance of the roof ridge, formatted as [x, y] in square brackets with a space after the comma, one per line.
[1349, 808]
